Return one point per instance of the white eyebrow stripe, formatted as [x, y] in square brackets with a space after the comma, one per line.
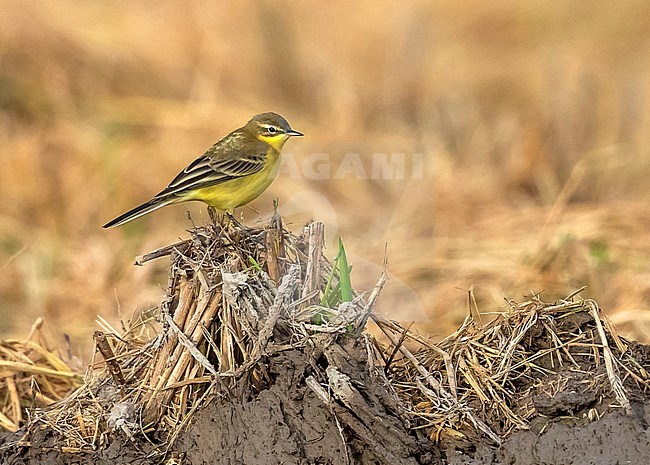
[267, 127]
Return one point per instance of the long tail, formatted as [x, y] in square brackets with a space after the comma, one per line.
[137, 212]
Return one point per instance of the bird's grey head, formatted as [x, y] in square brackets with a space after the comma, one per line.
[271, 124]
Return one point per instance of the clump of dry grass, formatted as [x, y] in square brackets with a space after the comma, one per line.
[237, 296]
[234, 297]
[483, 379]
[31, 375]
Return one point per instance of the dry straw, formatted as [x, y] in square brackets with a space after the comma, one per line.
[234, 297]
[483, 379]
[238, 296]
[31, 375]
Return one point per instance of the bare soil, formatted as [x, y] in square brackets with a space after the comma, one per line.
[289, 424]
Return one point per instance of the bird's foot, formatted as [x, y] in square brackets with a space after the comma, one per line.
[245, 230]
[213, 213]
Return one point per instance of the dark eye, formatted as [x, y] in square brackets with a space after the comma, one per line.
[272, 130]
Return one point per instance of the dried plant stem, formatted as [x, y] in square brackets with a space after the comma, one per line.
[315, 233]
[180, 246]
[615, 381]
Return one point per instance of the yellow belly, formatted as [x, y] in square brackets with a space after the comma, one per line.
[237, 192]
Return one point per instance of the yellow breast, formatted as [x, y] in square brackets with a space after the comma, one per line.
[237, 192]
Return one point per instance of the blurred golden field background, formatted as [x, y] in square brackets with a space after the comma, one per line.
[524, 127]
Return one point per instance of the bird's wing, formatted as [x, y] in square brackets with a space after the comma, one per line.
[222, 162]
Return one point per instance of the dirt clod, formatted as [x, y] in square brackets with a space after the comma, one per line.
[289, 424]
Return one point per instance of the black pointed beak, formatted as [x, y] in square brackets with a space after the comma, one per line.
[294, 133]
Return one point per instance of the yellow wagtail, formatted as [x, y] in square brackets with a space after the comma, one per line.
[233, 172]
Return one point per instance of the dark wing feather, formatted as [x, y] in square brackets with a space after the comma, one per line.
[224, 161]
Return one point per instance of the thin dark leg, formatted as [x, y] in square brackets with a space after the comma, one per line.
[235, 222]
[248, 232]
[213, 214]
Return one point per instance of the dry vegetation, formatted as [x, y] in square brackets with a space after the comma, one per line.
[239, 303]
[532, 118]
[32, 374]
[235, 298]
[490, 380]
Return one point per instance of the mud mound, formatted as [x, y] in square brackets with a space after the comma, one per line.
[292, 422]
[616, 438]
[258, 354]
[244, 309]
